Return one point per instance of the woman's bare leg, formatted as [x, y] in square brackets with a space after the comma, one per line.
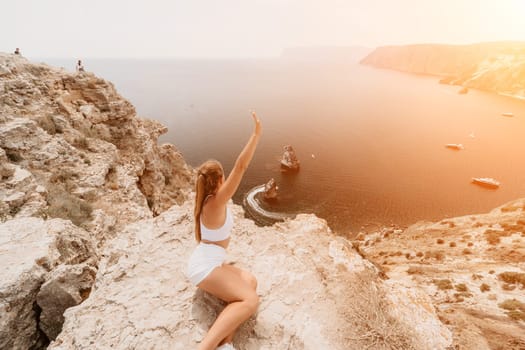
[228, 285]
[250, 279]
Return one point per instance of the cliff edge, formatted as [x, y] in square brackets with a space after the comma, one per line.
[316, 293]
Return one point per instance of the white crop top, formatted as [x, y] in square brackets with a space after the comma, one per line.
[218, 234]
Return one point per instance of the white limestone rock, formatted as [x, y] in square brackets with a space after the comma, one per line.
[4, 70]
[75, 132]
[315, 290]
[30, 248]
[66, 286]
[454, 268]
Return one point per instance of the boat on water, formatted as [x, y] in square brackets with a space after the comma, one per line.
[507, 114]
[455, 146]
[486, 182]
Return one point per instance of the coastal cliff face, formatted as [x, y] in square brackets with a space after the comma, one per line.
[72, 135]
[494, 67]
[76, 165]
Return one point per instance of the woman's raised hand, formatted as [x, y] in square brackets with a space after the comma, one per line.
[230, 185]
[257, 122]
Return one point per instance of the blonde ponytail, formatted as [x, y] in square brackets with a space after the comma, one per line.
[199, 199]
[208, 177]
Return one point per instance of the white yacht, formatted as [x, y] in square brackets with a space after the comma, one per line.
[456, 146]
[486, 182]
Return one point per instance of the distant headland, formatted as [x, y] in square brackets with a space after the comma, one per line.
[493, 66]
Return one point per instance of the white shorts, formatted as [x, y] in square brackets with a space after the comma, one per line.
[203, 260]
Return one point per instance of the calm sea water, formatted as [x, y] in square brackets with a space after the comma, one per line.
[377, 136]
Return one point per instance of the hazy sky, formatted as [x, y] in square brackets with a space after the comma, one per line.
[245, 28]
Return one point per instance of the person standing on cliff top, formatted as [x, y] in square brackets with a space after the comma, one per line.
[80, 67]
[213, 223]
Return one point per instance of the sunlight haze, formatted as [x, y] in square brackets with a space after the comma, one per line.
[235, 28]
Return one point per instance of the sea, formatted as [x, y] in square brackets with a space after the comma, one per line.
[371, 141]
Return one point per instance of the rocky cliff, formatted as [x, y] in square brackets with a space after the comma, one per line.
[496, 67]
[73, 133]
[472, 267]
[316, 293]
[76, 165]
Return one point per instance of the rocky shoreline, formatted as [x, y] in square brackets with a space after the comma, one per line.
[497, 67]
[95, 231]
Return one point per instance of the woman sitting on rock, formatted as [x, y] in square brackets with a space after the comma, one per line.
[213, 224]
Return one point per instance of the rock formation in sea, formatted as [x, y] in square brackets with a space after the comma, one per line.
[270, 190]
[463, 91]
[96, 228]
[496, 67]
[289, 159]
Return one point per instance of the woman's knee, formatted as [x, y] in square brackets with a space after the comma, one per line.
[250, 279]
[252, 302]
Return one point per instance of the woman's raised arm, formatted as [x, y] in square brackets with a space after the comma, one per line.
[230, 185]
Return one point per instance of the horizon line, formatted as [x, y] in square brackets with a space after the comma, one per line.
[273, 56]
